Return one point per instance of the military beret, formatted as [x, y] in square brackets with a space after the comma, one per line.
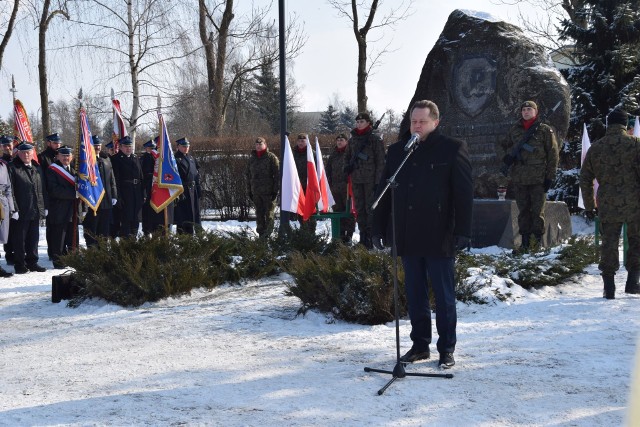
[25, 146]
[125, 140]
[109, 144]
[149, 144]
[341, 135]
[261, 140]
[183, 141]
[618, 117]
[364, 116]
[64, 150]
[530, 104]
[95, 140]
[5, 140]
[54, 137]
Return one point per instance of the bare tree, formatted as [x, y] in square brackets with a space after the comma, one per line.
[354, 10]
[238, 50]
[8, 25]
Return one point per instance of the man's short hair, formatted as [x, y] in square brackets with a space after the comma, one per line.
[425, 103]
[341, 135]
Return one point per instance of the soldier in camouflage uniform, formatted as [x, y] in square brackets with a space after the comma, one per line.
[338, 182]
[614, 161]
[365, 162]
[533, 171]
[300, 158]
[263, 182]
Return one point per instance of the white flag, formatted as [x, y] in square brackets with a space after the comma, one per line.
[586, 143]
[326, 198]
[636, 128]
[292, 199]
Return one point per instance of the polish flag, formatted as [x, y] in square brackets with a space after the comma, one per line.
[292, 199]
[326, 198]
[312, 193]
[586, 143]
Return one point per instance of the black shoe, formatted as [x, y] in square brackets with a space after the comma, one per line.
[36, 267]
[20, 269]
[414, 355]
[9, 259]
[446, 361]
[58, 265]
[4, 273]
[632, 289]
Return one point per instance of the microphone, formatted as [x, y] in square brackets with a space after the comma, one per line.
[412, 141]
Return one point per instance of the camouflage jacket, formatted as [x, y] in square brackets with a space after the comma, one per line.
[366, 154]
[300, 158]
[336, 175]
[614, 161]
[263, 174]
[537, 165]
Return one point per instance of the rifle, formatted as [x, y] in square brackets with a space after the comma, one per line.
[515, 154]
[360, 155]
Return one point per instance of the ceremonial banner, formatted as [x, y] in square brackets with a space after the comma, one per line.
[167, 184]
[326, 198]
[119, 129]
[312, 192]
[292, 199]
[89, 184]
[22, 126]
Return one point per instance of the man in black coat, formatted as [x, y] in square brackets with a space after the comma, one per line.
[433, 203]
[31, 199]
[128, 174]
[46, 159]
[187, 210]
[61, 189]
[99, 224]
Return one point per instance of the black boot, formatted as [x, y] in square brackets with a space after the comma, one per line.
[609, 286]
[524, 248]
[632, 286]
[538, 242]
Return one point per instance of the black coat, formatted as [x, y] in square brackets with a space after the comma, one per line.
[128, 174]
[434, 197]
[29, 190]
[62, 195]
[188, 207]
[108, 183]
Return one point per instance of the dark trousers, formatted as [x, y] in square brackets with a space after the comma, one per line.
[96, 225]
[61, 239]
[440, 272]
[24, 236]
[129, 228]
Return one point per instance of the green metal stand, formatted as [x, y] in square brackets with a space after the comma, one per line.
[335, 221]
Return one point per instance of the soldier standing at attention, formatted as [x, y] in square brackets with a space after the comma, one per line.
[46, 159]
[187, 210]
[338, 182]
[151, 220]
[614, 161]
[128, 174]
[533, 170]
[263, 182]
[365, 162]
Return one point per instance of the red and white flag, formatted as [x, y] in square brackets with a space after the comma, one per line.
[119, 129]
[326, 198]
[636, 128]
[292, 199]
[22, 127]
[312, 193]
[586, 143]
[167, 184]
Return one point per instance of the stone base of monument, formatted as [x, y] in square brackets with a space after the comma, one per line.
[495, 223]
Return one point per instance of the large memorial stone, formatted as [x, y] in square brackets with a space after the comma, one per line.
[478, 73]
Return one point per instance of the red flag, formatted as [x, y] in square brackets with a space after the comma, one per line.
[22, 127]
[292, 199]
[350, 196]
[167, 185]
[326, 197]
[119, 129]
[312, 193]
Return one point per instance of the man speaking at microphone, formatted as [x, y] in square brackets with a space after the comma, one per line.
[433, 204]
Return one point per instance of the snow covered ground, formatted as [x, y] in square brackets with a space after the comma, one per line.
[239, 355]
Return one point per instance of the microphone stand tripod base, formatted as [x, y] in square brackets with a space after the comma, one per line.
[399, 372]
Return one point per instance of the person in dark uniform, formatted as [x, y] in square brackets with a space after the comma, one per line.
[61, 188]
[128, 174]
[147, 163]
[46, 159]
[187, 210]
[339, 184]
[99, 224]
[263, 182]
[30, 194]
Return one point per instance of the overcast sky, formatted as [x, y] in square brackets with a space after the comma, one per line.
[327, 67]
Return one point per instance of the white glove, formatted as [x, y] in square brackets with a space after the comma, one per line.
[114, 201]
[82, 215]
[77, 195]
[15, 215]
[46, 212]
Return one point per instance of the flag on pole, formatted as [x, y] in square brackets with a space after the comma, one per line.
[326, 198]
[352, 201]
[312, 192]
[636, 128]
[292, 199]
[22, 126]
[119, 129]
[586, 143]
[89, 184]
[167, 184]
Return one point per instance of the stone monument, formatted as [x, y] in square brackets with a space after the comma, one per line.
[479, 72]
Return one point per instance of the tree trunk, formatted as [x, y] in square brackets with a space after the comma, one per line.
[7, 34]
[42, 68]
[218, 113]
[362, 74]
[135, 107]
[207, 42]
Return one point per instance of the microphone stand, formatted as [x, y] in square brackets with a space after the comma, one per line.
[398, 370]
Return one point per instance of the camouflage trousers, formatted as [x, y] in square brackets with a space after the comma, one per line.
[363, 196]
[609, 249]
[264, 214]
[530, 200]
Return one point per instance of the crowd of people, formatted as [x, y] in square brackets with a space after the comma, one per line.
[35, 187]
